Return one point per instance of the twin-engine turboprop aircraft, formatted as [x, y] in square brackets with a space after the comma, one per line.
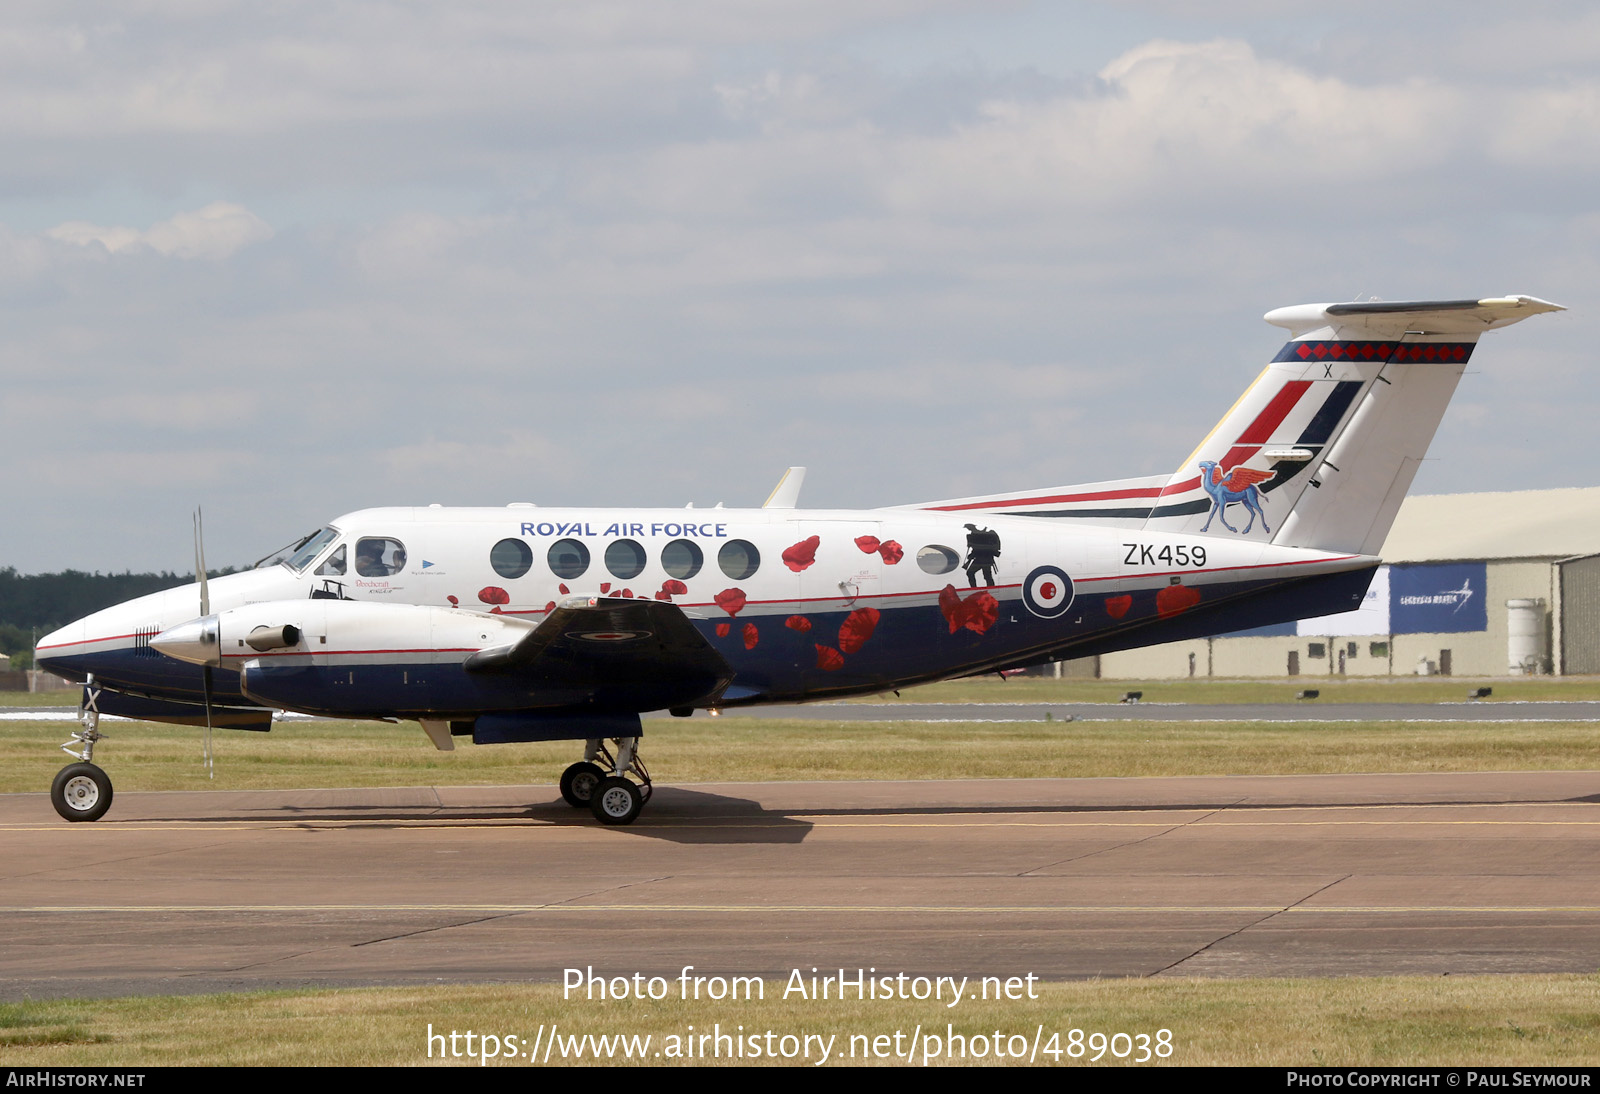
[530, 624]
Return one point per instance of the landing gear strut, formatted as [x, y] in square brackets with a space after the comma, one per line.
[600, 781]
[82, 791]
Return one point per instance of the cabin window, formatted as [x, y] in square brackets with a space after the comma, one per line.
[334, 566]
[682, 559]
[624, 558]
[935, 559]
[511, 557]
[568, 558]
[378, 556]
[739, 559]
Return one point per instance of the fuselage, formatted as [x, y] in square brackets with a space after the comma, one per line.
[801, 603]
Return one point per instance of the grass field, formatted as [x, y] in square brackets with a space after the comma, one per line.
[146, 756]
[1411, 1021]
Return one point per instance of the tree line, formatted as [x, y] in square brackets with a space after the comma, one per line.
[39, 603]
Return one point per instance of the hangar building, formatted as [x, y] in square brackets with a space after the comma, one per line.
[1472, 585]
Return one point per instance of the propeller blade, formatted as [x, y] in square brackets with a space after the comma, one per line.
[205, 610]
[205, 678]
[200, 562]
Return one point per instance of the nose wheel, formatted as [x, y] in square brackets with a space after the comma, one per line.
[82, 791]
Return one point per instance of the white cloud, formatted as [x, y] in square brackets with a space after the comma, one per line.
[214, 232]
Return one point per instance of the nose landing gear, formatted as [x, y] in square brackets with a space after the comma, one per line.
[82, 791]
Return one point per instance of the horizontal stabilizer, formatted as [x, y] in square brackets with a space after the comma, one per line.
[1395, 318]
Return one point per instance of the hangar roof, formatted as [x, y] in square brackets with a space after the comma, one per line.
[1517, 524]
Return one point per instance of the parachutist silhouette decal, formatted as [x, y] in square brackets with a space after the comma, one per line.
[983, 549]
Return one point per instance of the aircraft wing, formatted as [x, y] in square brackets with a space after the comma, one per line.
[623, 651]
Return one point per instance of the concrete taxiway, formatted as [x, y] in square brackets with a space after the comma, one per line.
[1216, 876]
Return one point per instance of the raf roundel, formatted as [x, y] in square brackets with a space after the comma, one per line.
[1047, 592]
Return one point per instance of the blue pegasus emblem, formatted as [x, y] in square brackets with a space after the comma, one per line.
[1238, 486]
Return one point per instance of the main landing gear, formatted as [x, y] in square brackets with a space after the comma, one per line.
[82, 791]
[600, 781]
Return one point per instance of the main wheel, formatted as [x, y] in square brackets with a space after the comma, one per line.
[81, 792]
[578, 783]
[616, 800]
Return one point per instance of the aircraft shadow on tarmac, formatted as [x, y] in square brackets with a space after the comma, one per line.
[686, 816]
[677, 815]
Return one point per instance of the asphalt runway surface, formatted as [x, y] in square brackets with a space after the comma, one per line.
[1308, 711]
[1176, 877]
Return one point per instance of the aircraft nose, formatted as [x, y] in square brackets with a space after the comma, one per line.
[59, 644]
[198, 641]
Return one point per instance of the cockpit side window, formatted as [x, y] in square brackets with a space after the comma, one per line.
[378, 556]
[334, 565]
[308, 550]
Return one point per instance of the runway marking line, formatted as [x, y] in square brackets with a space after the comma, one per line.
[809, 909]
[1222, 819]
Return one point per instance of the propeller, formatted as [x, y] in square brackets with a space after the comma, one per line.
[205, 610]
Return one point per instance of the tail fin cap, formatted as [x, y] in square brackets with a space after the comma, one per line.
[1393, 318]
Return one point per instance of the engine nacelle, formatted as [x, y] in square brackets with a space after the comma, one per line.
[335, 628]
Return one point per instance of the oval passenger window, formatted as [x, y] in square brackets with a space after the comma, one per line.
[511, 558]
[624, 558]
[739, 559]
[935, 559]
[568, 558]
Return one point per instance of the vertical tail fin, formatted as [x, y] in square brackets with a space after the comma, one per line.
[1320, 450]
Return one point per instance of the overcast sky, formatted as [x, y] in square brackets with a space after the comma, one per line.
[290, 260]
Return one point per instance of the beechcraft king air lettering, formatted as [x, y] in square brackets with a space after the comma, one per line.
[524, 624]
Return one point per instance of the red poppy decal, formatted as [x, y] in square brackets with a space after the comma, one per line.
[798, 623]
[868, 544]
[802, 554]
[891, 551]
[454, 603]
[977, 613]
[730, 600]
[605, 586]
[950, 605]
[549, 606]
[494, 594]
[856, 629]
[664, 595]
[723, 629]
[1176, 598]
[674, 587]
[751, 636]
[1117, 606]
[628, 593]
[564, 588]
[829, 659]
